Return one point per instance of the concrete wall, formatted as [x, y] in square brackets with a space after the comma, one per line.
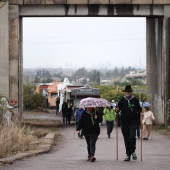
[4, 51]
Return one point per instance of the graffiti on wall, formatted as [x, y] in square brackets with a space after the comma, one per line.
[6, 109]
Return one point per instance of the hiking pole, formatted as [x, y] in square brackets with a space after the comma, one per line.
[117, 138]
[75, 127]
[141, 132]
[118, 99]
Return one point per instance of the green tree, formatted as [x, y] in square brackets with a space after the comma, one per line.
[84, 81]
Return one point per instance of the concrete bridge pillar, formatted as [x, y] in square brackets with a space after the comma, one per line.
[158, 66]
[166, 59]
[4, 50]
[15, 56]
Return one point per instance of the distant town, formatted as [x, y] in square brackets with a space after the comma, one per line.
[83, 76]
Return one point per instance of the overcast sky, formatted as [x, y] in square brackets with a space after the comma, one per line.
[89, 42]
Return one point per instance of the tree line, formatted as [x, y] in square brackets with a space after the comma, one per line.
[86, 75]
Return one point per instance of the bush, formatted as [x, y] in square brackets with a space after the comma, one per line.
[31, 100]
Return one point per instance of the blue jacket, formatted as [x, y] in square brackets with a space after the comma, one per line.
[78, 114]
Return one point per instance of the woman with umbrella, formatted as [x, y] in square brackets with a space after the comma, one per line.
[89, 123]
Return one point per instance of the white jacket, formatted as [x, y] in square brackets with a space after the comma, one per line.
[148, 118]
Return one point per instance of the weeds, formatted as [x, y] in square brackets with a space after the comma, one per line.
[14, 139]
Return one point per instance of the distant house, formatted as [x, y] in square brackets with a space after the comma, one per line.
[67, 93]
[52, 94]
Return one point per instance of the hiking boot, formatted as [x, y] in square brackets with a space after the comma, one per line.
[93, 159]
[134, 157]
[81, 137]
[127, 158]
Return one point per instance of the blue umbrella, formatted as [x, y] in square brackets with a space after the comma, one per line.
[145, 104]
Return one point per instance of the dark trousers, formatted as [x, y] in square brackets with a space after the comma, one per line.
[57, 108]
[65, 120]
[110, 126]
[129, 134]
[69, 118]
[138, 130]
[91, 144]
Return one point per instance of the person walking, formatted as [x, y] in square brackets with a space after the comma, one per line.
[78, 113]
[57, 104]
[147, 121]
[65, 112]
[89, 123]
[109, 116]
[70, 112]
[130, 113]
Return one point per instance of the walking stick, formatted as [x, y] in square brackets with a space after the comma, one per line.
[118, 99]
[117, 138]
[141, 130]
[75, 127]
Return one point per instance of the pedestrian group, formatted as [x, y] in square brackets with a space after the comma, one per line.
[127, 110]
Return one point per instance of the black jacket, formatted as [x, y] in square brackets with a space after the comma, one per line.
[130, 110]
[88, 124]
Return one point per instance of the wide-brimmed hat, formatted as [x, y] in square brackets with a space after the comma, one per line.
[128, 88]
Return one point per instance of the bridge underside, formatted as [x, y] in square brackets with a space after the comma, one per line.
[157, 42]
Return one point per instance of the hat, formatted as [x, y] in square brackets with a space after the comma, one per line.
[128, 88]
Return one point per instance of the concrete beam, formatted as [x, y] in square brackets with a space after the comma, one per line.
[40, 10]
[120, 1]
[16, 2]
[164, 2]
[98, 1]
[77, 2]
[55, 1]
[142, 2]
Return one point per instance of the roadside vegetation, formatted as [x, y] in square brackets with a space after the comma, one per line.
[14, 139]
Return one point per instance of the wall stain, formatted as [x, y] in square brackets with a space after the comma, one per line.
[110, 10]
[93, 9]
[124, 9]
[151, 9]
[66, 9]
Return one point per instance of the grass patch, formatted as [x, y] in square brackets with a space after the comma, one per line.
[17, 138]
[14, 139]
[161, 129]
[42, 123]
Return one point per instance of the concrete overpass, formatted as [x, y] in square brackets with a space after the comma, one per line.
[139, 76]
[157, 13]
